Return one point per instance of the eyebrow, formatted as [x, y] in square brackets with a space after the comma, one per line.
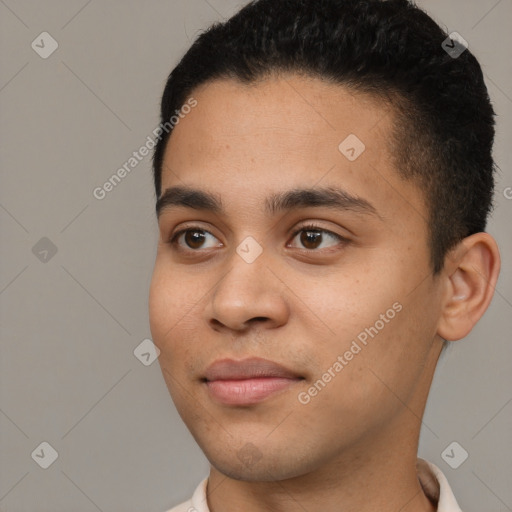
[326, 197]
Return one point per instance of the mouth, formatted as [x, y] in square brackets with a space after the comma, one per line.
[247, 382]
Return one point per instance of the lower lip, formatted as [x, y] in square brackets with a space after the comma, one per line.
[247, 391]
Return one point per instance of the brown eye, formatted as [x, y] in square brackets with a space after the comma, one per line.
[312, 237]
[192, 238]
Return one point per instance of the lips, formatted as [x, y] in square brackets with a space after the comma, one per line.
[228, 369]
[248, 381]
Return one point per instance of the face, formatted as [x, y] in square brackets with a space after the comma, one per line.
[334, 286]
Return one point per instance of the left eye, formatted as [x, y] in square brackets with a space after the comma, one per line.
[312, 237]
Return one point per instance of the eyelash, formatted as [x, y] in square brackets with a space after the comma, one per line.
[306, 227]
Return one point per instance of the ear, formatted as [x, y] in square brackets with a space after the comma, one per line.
[470, 274]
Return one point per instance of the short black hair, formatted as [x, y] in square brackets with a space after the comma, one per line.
[443, 123]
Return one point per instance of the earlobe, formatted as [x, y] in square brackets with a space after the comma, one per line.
[471, 273]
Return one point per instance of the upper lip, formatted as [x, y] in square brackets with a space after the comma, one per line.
[254, 367]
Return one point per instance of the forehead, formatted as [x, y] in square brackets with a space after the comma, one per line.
[287, 112]
[283, 132]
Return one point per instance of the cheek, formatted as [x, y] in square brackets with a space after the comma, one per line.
[169, 304]
[166, 308]
[350, 302]
[385, 373]
[175, 305]
[160, 306]
[165, 311]
[383, 334]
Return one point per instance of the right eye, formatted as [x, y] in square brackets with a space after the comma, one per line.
[193, 238]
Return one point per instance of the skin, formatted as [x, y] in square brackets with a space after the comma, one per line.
[303, 301]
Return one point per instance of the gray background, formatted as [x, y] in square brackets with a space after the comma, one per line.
[71, 322]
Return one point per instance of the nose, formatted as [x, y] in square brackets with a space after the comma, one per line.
[248, 293]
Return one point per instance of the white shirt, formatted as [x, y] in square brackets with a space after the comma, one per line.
[431, 478]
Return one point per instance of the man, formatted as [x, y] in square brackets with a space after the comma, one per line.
[322, 199]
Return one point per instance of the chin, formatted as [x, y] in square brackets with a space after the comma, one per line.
[258, 473]
[252, 464]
